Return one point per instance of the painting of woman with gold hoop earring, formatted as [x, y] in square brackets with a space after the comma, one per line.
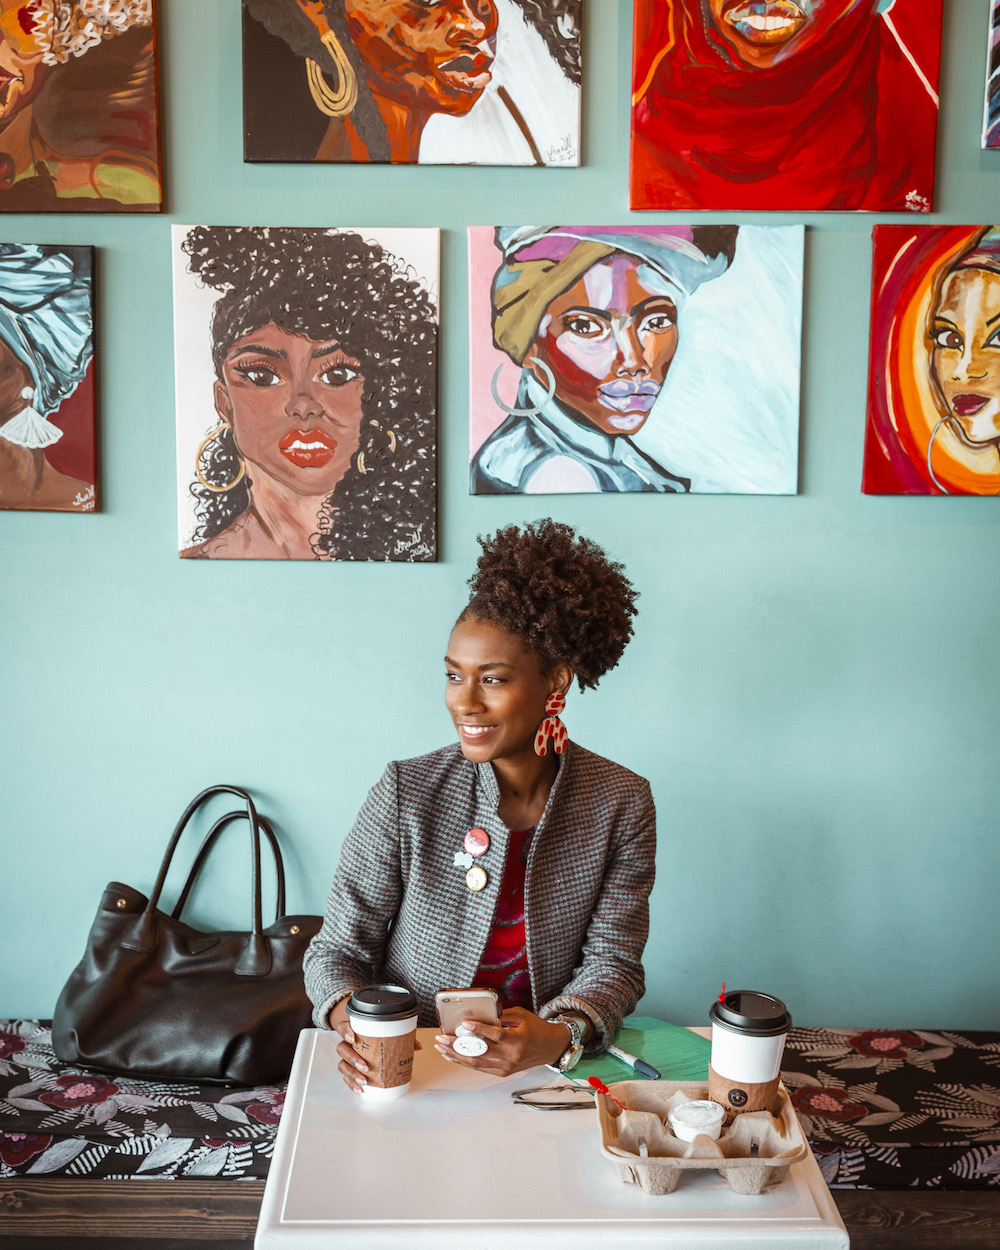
[306, 393]
[493, 82]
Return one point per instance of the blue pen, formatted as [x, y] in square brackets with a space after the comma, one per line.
[638, 1065]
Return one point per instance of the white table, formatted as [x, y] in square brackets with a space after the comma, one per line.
[456, 1165]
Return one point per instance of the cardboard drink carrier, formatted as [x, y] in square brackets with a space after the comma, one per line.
[754, 1150]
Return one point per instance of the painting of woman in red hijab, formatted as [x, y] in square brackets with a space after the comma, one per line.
[785, 105]
[934, 374]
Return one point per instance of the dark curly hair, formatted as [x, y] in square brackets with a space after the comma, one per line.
[333, 286]
[559, 593]
[557, 21]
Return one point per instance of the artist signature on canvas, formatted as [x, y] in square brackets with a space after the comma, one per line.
[561, 153]
[413, 547]
[917, 203]
[85, 499]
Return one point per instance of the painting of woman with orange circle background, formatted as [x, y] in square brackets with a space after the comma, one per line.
[934, 372]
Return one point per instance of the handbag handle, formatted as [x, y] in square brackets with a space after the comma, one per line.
[206, 846]
[256, 958]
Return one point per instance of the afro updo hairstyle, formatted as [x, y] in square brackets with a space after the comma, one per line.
[559, 593]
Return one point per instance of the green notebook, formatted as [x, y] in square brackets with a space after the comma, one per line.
[679, 1054]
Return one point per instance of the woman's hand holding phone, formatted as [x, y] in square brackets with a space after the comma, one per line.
[521, 1040]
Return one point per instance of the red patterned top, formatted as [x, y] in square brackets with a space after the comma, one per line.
[503, 965]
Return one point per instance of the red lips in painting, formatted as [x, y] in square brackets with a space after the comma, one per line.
[309, 449]
[469, 71]
[764, 24]
[969, 405]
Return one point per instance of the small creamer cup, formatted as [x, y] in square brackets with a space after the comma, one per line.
[748, 1039]
[697, 1118]
[383, 1019]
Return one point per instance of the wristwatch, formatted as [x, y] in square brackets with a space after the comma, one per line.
[574, 1051]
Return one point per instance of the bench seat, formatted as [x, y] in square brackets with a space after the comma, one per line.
[905, 1125]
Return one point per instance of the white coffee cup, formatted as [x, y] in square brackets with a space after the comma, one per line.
[384, 1021]
[748, 1039]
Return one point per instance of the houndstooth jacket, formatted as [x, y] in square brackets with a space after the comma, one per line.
[400, 911]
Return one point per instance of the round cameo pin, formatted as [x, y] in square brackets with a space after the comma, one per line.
[476, 878]
[477, 842]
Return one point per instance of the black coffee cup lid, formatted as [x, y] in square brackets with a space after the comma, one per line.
[383, 1002]
[747, 1011]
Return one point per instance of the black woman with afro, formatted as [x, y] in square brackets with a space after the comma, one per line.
[514, 858]
[324, 348]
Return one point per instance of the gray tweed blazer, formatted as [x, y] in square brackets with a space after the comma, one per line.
[400, 911]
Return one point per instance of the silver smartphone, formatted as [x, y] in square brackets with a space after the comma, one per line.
[474, 1003]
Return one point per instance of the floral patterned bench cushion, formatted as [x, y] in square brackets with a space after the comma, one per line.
[883, 1109]
[56, 1120]
[898, 1108]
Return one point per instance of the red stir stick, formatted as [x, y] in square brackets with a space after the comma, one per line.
[601, 1088]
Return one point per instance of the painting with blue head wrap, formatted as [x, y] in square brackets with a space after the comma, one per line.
[47, 441]
[635, 358]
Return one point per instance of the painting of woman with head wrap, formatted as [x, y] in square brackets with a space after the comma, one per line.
[487, 82]
[78, 107]
[47, 445]
[934, 371]
[306, 387]
[635, 358]
[785, 104]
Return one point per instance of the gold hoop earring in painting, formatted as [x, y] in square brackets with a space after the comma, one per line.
[197, 464]
[340, 102]
[361, 462]
[390, 435]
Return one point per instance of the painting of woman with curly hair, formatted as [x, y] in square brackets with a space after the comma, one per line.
[78, 107]
[306, 392]
[478, 82]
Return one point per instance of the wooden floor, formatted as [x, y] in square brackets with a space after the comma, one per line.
[63, 1214]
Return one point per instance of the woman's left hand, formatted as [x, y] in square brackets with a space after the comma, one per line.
[522, 1040]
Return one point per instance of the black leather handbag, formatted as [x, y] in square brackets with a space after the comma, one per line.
[153, 997]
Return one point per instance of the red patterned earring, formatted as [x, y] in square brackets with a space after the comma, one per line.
[552, 727]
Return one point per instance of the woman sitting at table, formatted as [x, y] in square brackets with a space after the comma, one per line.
[554, 914]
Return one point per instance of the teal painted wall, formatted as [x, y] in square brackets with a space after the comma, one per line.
[813, 689]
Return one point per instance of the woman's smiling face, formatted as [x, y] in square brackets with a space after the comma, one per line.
[496, 691]
[295, 407]
[609, 341]
[764, 32]
[432, 55]
[965, 359]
